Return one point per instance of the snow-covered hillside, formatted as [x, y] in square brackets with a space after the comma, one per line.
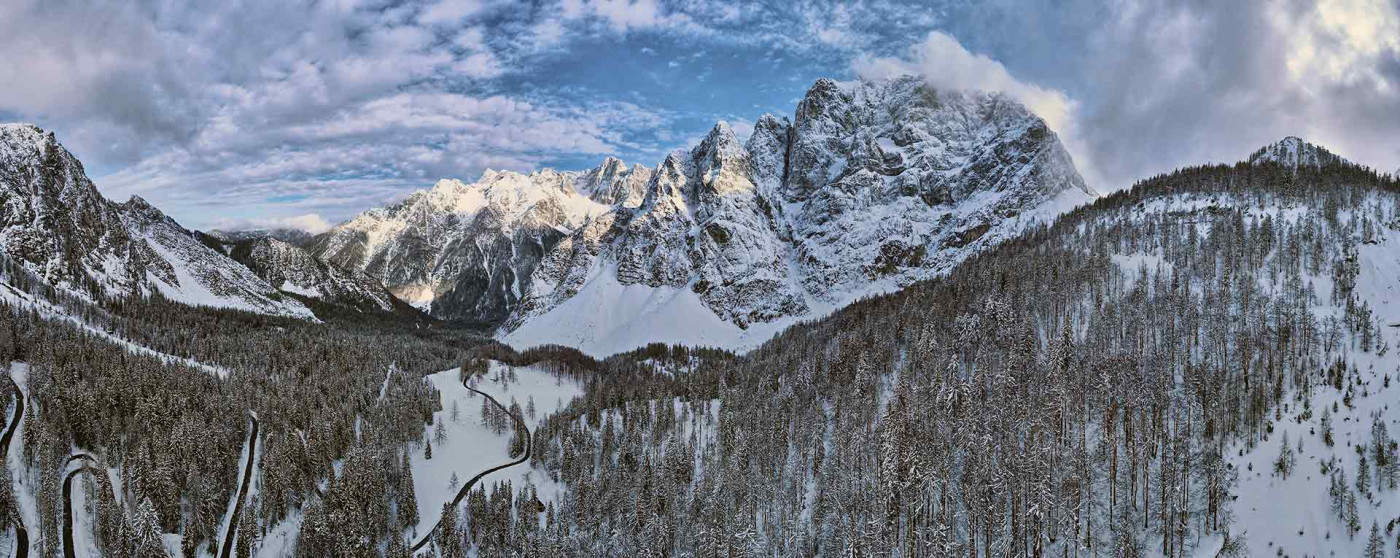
[468, 446]
[197, 274]
[1293, 152]
[1293, 515]
[1350, 404]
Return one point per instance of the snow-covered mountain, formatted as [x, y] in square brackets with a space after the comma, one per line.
[56, 223]
[1293, 152]
[467, 250]
[292, 269]
[872, 186]
[288, 235]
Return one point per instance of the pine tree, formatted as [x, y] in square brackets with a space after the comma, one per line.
[1363, 475]
[408, 499]
[449, 537]
[428, 450]
[1327, 427]
[1283, 465]
[145, 530]
[1353, 517]
[1337, 490]
[1375, 545]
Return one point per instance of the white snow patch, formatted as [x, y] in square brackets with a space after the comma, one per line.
[607, 317]
[294, 288]
[26, 485]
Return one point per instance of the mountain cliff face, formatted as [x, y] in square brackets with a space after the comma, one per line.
[465, 250]
[292, 269]
[55, 223]
[870, 187]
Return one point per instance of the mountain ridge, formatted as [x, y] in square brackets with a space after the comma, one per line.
[871, 186]
[59, 226]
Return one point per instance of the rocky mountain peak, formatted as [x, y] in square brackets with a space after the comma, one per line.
[138, 206]
[613, 183]
[55, 223]
[870, 186]
[722, 162]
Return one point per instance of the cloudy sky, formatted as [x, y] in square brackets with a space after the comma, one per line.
[304, 113]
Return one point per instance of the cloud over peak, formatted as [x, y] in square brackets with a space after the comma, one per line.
[276, 110]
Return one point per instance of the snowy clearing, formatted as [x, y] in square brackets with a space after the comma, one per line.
[470, 447]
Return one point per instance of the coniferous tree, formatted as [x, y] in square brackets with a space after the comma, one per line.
[1375, 545]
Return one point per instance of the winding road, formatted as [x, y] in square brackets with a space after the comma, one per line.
[230, 534]
[21, 534]
[225, 548]
[466, 488]
[87, 467]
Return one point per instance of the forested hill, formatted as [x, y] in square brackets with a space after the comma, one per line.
[1113, 384]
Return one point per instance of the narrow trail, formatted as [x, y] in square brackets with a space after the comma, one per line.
[466, 488]
[87, 467]
[231, 532]
[21, 534]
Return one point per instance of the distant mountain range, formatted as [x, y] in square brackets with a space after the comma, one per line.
[55, 223]
[870, 187]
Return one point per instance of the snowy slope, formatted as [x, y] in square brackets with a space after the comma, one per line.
[607, 317]
[471, 447]
[1294, 515]
[199, 275]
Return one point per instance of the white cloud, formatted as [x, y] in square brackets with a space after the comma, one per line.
[310, 222]
[365, 153]
[450, 11]
[481, 65]
[944, 63]
[621, 15]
